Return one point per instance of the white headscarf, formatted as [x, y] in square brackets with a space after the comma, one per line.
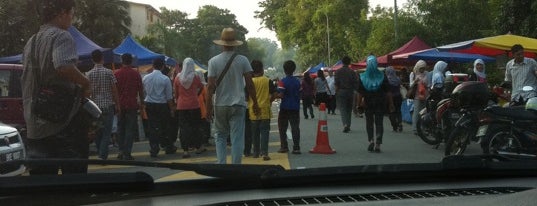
[438, 73]
[186, 77]
[478, 73]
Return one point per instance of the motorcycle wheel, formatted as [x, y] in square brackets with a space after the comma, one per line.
[457, 141]
[425, 133]
[500, 142]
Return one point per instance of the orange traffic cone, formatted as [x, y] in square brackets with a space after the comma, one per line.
[322, 146]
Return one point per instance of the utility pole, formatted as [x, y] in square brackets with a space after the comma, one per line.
[328, 38]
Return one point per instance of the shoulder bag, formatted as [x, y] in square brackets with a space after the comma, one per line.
[228, 64]
[52, 102]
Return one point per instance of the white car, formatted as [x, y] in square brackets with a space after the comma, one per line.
[11, 148]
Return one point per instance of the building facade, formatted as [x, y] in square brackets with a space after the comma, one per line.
[142, 15]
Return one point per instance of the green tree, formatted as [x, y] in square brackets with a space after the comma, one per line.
[451, 21]
[517, 17]
[106, 22]
[262, 49]
[17, 25]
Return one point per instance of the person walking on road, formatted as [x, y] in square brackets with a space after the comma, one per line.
[266, 93]
[331, 106]
[103, 84]
[396, 118]
[230, 100]
[289, 91]
[373, 86]
[130, 87]
[320, 88]
[187, 86]
[418, 91]
[160, 108]
[345, 84]
[307, 95]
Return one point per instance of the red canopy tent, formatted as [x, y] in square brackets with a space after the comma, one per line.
[415, 44]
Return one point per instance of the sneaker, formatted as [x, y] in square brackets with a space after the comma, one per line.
[346, 130]
[266, 158]
[283, 150]
[296, 152]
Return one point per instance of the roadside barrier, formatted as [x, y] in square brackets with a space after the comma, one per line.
[322, 145]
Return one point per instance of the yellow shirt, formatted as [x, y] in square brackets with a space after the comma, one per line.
[262, 91]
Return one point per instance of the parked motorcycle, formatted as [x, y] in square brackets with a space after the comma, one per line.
[472, 97]
[511, 130]
[437, 118]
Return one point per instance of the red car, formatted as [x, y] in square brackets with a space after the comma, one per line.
[11, 96]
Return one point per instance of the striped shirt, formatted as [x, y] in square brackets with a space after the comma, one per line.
[48, 39]
[521, 74]
[102, 80]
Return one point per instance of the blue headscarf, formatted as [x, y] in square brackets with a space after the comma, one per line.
[372, 78]
[393, 79]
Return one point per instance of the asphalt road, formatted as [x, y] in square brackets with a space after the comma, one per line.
[351, 149]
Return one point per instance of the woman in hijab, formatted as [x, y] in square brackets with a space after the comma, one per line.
[187, 85]
[479, 71]
[420, 82]
[320, 86]
[437, 83]
[396, 118]
[373, 86]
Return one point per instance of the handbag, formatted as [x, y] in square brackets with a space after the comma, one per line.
[51, 102]
[411, 93]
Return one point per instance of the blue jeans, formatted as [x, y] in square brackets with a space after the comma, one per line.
[127, 126]
[260, 136]
[103, 135]
[229, 121]
[344, 100]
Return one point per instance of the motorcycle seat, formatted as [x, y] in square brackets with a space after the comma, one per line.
[519, 113]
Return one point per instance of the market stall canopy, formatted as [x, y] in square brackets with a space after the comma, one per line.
[435, 55]
[141, 54]
[415, 44]
[314, 69]
[493, 46]
[337, 65]
[84, 47]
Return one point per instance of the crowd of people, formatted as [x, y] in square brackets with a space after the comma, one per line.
[233, 92]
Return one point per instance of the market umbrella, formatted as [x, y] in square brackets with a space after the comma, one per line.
[435, 55]
[493, 46]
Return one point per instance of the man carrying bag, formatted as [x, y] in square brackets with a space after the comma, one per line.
[50, 71]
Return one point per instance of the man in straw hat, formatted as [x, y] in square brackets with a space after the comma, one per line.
[230, 99]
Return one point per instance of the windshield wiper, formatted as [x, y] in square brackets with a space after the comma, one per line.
[228, 171]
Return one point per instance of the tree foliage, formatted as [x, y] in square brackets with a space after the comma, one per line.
[106, 22]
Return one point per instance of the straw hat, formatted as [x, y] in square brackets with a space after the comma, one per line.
[227, 38]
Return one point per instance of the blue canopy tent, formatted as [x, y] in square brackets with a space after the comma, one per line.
[142, 55]
[313, 70]
[169, 61]
[84, 47]
[435, 55]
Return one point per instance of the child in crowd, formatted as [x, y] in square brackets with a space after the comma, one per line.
[289, 91]
[266, 93]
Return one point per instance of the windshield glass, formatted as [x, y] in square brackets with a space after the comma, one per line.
[299, 84]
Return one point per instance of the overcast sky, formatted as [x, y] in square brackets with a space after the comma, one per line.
[243, 9]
